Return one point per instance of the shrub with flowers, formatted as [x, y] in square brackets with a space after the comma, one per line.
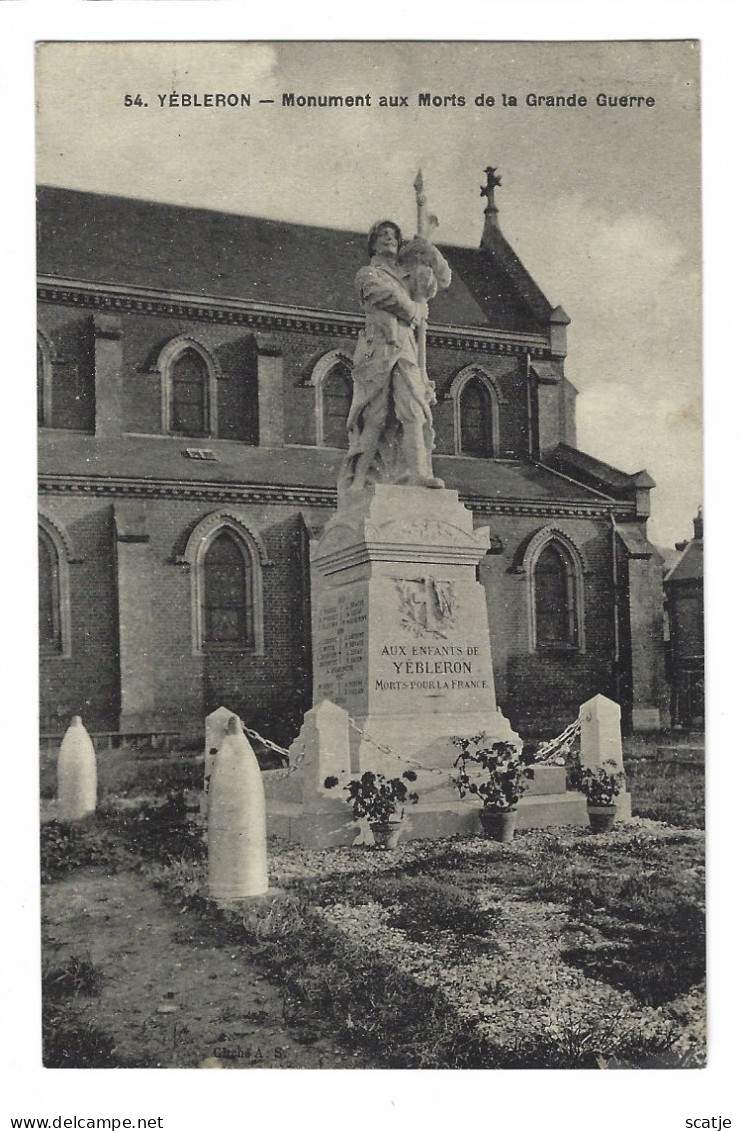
[376, 797]
[497, 773]
[602, 786]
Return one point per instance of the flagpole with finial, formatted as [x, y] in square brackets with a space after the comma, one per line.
[423, 327]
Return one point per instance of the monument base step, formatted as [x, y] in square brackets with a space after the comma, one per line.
[427, 822]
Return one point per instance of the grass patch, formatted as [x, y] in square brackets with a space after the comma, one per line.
[70, 1038]
[673, 793]
[73, 1041]
[65, 847]
[74, 977]
[421, 905]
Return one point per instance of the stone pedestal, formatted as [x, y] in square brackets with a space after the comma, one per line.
[402, 664]
[400, 635]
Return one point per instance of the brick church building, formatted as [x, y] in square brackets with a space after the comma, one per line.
[193, 384]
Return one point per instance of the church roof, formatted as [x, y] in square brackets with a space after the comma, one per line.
[118, 240]
[587, 469]
[163, 458]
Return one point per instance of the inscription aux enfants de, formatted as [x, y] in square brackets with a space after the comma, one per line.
[351, 659]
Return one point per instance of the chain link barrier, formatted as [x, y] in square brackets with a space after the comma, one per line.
[286, 771]
[390, 753]
[546, 754]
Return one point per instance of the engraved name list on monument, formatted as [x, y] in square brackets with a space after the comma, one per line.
[422, 649]
[340, 653]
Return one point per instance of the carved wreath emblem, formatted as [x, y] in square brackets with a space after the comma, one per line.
[428, 606]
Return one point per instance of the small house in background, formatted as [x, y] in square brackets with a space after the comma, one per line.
[684, 604]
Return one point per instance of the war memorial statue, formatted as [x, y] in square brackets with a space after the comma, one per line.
[401, 647]
[390, 424]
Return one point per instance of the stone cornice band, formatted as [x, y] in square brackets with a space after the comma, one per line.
[259, 315]
[261, 493]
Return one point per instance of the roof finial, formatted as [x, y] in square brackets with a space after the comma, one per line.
[493, 181]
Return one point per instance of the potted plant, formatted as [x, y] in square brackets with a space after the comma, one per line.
[380, 800]
[601, 788]
[498, 773]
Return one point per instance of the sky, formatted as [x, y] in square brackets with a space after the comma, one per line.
[602, 204]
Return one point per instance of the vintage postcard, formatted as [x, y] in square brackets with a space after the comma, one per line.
[371, 607]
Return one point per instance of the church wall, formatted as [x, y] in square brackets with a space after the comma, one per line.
[541, 691]
[70, 334]
[290, 402]
[152, 606]
[234, 350]
[300, 353]
[86, 681]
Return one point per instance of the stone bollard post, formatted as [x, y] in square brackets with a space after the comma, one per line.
[324, 746]
[215, 727]
[238, 859]
[77, 778]
[600, 733]
[600, 742]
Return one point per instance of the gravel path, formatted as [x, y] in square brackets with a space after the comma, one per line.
[172, 998]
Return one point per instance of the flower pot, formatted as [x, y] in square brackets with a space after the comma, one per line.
[601, 817]
[386, 833]
[498, 824]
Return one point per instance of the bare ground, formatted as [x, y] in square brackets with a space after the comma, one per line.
[171, 997]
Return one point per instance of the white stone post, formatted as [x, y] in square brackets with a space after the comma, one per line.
[324, 748]
[238, 858]
[77, 778]
[600, 733]
[215, 726]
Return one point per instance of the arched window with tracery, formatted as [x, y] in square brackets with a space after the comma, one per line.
[330, 376]
[189, 394]
[226, 557]
[56, 553]
[555, 568]
[554, 599]
[336, 395]
[228, 599]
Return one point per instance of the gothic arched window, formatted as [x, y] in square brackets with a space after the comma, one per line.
[554, 599]
[50, 597]
[228, 618]
[44, 356]
[189, 394]
[555, 568]
[475, 417]
[226, 557]
[337, 393]
[476, 397]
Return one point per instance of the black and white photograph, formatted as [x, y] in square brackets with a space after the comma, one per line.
[371, 577]
[371, 680]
